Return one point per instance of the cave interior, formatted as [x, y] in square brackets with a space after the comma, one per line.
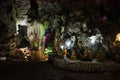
[79, 29]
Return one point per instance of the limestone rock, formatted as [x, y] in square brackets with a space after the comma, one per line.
[7, 25]
[7, 22]
[22, 7]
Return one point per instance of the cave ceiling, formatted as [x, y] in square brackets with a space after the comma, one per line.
[88, 9]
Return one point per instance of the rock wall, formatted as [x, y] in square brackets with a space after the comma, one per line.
[22, 7]
[9, 9]
[7, 22]
[7, 25]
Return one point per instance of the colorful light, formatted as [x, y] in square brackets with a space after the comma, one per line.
[48, 50]
[118, 37]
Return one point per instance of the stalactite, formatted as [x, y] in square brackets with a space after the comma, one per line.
[37, 31]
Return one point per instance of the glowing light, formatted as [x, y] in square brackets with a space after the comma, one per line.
[37, 31]
[25, 57]
[36, 44]
[22, 22]
[118, 37]
[43, 28]
[68, 44]
[24, 50]
[62, 47]
[93, 39]
[48, 50]
[65, 51]
[46, 24]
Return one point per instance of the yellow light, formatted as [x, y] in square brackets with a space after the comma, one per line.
[117, 37]
[22, 49]
[65, 51]
[25, 57]
[28, 55]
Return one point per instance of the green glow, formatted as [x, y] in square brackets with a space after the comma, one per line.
[35, 44]
[48, 50]
[43, 28]
[46, 24]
